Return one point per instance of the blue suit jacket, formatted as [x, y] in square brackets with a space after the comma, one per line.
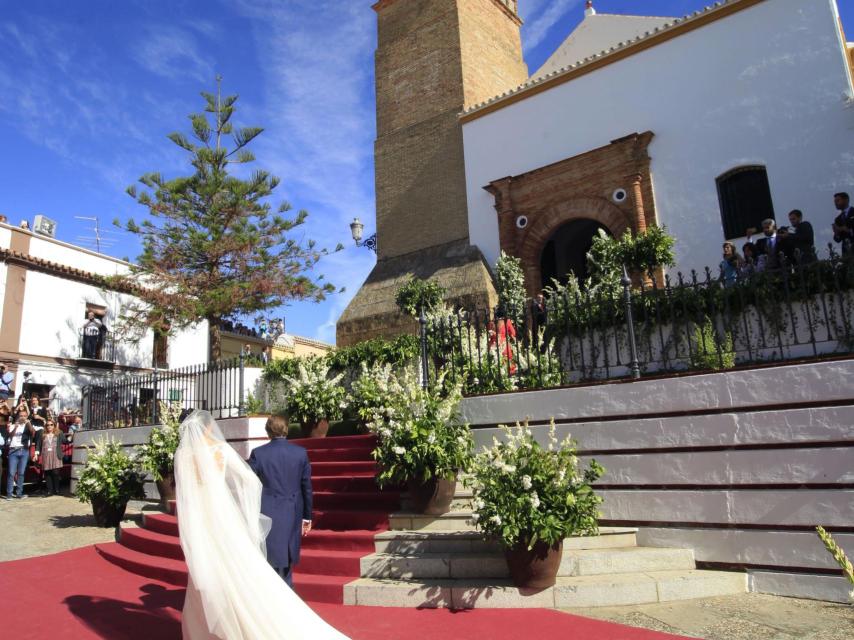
[285, 474]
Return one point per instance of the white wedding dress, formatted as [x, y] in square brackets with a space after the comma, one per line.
[232, 592]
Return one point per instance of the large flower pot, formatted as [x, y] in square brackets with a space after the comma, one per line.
[106, 513]
[535, 568]
[315, 429]
[166, 488]
[433, 497]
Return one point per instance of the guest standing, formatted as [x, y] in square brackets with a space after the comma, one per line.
[18, 437]
[803, 237]
[50, 454]
[731, 264]
[91, 336]
[843, 224]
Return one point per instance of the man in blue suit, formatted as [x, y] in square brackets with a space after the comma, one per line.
[285, 474]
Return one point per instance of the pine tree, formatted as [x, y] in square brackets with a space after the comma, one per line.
[213, 248]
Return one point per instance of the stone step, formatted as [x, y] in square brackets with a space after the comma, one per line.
[453, 521]
[575, 562]
[461, 502]
[418, 542]
[579, 591]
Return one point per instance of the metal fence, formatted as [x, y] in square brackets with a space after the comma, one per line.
[97, 347]
[649, 324]
[135, 400]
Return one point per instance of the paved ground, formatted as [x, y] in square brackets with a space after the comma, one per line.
[39, 526]
[752, 616]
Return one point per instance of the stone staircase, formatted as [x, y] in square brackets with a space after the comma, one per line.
[441, 561]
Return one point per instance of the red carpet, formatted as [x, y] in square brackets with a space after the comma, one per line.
[348, 510]
[77, 595]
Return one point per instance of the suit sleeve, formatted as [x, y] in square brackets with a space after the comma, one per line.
[306, 489]
[253, 463]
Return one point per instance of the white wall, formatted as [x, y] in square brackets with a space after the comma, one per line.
[189, 347]
[72, 256]
[767, 85]
[739, 477]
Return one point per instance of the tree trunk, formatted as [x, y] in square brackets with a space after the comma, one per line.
[214, 340]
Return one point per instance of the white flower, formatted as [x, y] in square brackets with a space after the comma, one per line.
[535, 500]
[431, 438]
[475, 517]
[479, 504]
[399, 450]
[496, 519]
[526, 482]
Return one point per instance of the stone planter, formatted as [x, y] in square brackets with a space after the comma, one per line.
[106, 513]
[433, 497]
[535, 568]
[315, 429]
[166, 488]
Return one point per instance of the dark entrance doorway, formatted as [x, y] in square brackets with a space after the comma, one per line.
[566, 251]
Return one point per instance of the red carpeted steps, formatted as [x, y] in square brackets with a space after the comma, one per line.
[349, 510]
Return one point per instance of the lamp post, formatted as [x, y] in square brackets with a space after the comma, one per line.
[356, 229]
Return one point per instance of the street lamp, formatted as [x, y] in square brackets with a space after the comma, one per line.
[356, 229]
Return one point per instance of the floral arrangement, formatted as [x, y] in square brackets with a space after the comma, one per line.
[373, 392]
[312, 395]
[110, 474]
[524, 493]
[510, 284]
[157, 455]
[419, 433]
[417, 294]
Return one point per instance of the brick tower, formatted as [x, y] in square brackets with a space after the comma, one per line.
[434, 58]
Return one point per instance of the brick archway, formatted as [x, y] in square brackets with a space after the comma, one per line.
[543, 227]
[611, 185]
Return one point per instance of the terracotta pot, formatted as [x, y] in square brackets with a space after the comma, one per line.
[535, 568]
[433, 497]
[166, 488]
[106, 513]
[316, 429]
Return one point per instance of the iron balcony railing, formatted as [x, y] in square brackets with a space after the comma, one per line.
[798, 310]
[135, 400]
[101, 346]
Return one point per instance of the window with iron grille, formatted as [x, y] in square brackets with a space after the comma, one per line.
[745, 200]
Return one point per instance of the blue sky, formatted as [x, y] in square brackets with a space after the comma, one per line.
[89, 89]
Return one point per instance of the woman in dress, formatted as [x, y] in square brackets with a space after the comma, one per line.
[232, 592]
[49, 454]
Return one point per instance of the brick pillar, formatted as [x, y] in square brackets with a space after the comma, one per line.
[637, 195]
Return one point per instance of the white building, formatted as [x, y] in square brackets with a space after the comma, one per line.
[47, 287]
[705, 124]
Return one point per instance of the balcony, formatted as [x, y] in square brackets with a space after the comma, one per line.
[96, 351]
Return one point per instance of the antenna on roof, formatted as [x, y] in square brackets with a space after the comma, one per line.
[588, 8]
[97, 237]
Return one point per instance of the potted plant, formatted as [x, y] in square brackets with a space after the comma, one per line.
[313, 398]
[422, 443]
[109, 479]
[157, 455]
[530, 498]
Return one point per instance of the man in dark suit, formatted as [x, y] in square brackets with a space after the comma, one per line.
[803, 237]
[767, 245]
[285, 475]
[843, 224]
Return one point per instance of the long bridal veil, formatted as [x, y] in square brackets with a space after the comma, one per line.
[232, 593]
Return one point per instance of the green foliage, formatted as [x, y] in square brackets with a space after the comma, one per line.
[397, 351]
[709, 351]
[278, 370]
[254, 406]
[510, 284]
[157, 455]
[417, 294]
[213, 246]
[419, 434]
[524, 493]
[641, 252]
[312, 395]
[839, 556]
[110, 474]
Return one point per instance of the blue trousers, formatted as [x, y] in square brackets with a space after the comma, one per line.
[286, 574]
[18, 460]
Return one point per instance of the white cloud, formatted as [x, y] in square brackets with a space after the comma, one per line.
[172, 53]
[537, 29]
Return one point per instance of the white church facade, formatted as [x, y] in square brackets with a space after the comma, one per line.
[636, 121]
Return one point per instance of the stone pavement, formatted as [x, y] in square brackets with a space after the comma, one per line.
[39, 526]
[752, 616]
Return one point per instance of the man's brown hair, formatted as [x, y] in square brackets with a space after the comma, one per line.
[277, 426]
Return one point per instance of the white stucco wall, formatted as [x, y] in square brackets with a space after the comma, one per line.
[768, 85]
[76, 257]
[189, 347]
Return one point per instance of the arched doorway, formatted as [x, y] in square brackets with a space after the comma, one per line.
[566, 250]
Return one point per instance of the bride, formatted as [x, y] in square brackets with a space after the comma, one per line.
[232, 593]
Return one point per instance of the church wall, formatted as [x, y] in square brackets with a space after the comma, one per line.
[767, 85]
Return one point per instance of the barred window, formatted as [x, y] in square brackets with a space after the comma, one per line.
[745, 200]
